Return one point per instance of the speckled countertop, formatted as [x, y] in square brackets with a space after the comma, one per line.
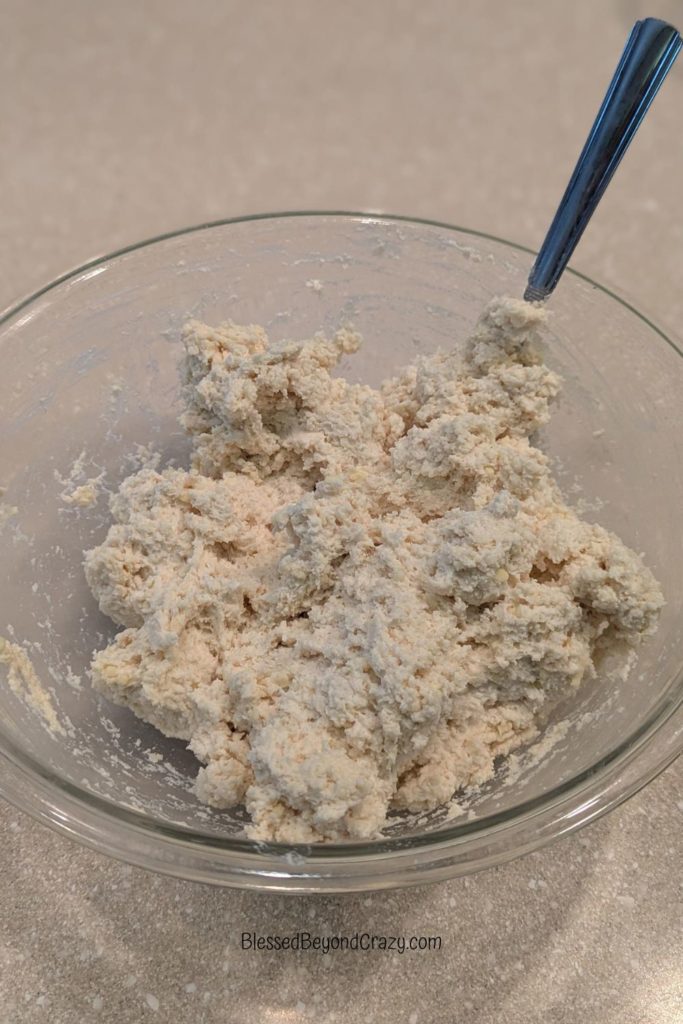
[120, 121]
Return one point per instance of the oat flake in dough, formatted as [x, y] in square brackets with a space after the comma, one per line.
[356, 599]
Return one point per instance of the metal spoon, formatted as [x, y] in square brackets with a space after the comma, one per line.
[651, 49]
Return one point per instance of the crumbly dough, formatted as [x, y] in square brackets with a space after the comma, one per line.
[78, 491]
[84, 495]
[356, 599]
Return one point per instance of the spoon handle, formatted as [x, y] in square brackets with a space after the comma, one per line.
[650, 51]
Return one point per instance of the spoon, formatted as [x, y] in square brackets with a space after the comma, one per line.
[650, 51]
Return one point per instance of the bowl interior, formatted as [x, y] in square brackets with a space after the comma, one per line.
[89, 387]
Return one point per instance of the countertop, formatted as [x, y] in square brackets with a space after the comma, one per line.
[124, 120]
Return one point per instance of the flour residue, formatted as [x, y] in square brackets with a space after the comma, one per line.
[24, 682]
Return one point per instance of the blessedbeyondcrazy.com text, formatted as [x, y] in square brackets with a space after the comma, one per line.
[357, 942]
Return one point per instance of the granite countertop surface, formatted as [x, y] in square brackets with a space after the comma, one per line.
[124, 120]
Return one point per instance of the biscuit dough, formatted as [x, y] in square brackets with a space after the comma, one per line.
[356, 599]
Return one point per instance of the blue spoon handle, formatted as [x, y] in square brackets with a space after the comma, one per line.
[650, 51]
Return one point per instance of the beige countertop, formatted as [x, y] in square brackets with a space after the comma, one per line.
[124, 120]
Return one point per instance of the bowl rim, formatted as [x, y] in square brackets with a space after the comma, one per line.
[354, 865]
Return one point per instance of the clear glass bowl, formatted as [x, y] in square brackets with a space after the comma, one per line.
[90, 367]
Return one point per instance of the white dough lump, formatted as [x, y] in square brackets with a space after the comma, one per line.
[356, 599]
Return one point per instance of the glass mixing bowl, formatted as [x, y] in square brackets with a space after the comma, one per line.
[89, 376]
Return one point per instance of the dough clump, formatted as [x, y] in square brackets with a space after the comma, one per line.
[356, 599]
